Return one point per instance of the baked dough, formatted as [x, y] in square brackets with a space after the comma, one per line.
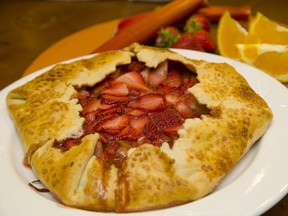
[45, 110]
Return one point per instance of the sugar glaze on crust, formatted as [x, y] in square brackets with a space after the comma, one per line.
[44, 110]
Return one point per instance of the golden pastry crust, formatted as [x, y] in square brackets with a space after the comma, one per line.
[151, 177]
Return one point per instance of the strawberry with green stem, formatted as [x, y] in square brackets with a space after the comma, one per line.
[196, 22]
[167, 37]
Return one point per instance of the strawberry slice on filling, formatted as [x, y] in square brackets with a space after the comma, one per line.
[115, 125]
[150, 102]
[117, 89]
[158, 75]
[133, 79]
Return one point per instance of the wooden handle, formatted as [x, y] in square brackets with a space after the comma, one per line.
[145, 29]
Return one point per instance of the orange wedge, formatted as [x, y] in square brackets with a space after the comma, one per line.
[270, 58]
[230, 32]
[268, 31]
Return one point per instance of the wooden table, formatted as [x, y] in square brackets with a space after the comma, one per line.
[31, 30]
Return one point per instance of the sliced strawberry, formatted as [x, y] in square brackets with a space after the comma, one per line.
[190, 99]
[157, 76]
[83, 94]
[104, 106]
[165, 89]
[166, 118]
[126, 133]
[189, 81]
[114, 100]
[100, 120]
[171, 99]
[133, 79]
[172, 131]
[184, 109]
[97, 90]
[113, 110]
[150, 102]
[117, 89]
[173, 79]
[138, 124]
[145, 74]
[92, 105]
[68, 143]
[90, 116]
[136, 66]
[152, 134]
[135, 112]
[115, 125]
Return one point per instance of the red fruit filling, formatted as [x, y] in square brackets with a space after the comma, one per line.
[137, 105]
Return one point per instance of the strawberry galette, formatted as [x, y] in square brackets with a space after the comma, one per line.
[136, 129]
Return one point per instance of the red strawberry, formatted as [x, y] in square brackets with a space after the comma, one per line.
[187, 41]
[114, 100]
[157, 76]
[114, 110]
[83, 94]
[136, 66]
[196, 22]
[68, 143]
[167, 37]
[91, 116]
[188, 80]
[115, 124]
[166, 119]
[173, 131]
[152, 134]
[135, 112]
[184, 109]
[92, 105]
[206, 41]
[118, 89]
[138, 124]
[145, 74]
[133, 79]
[104, 106]
[126, 133]
[173, 79]
[150, 102]
[171, 99]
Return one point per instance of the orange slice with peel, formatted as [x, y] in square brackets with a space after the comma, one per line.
[270, 58]
[268, 31]
[230, 32]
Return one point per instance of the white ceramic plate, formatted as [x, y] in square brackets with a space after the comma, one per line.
[257, 183]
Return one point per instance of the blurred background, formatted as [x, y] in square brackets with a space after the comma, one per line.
[27, 28]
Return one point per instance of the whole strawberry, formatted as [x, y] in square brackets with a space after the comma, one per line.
[188, 41]
[196, 22]
[205, 40]
[167, 36]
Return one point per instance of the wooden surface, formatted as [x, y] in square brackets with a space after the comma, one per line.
[35, 34]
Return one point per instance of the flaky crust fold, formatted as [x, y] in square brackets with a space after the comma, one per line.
[44, 110]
